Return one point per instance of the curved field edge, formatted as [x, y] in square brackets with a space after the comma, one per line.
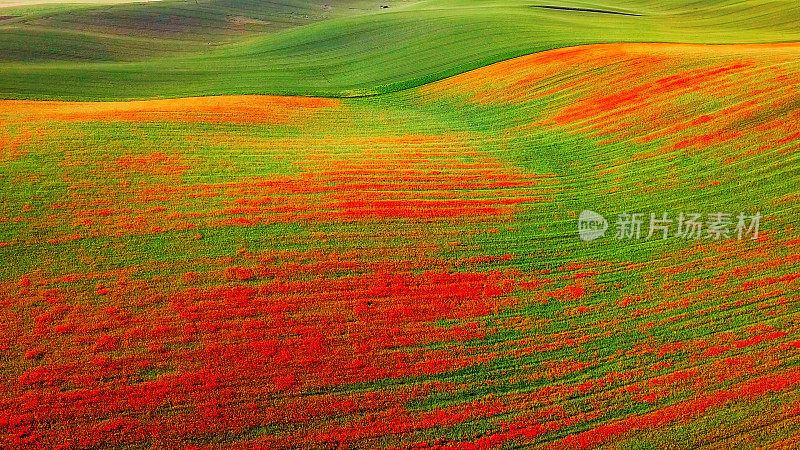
[404, 270]
[377, 52]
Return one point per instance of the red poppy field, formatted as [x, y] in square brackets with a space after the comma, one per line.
[405, 270]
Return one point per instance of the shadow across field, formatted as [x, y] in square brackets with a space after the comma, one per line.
[568, 8]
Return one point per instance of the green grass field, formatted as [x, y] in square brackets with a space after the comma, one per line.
[397, 261]
[181, 48]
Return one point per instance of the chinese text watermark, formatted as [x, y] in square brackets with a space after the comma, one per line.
[716, 226]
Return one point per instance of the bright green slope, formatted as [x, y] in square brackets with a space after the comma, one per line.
[355, 48]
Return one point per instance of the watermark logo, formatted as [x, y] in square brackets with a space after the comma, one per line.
[689, 226]
[591, 225]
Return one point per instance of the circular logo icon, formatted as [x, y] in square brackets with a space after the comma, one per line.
[591, 225]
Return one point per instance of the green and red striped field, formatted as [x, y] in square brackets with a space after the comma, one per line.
[405, 270]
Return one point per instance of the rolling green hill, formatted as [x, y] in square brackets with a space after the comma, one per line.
[179, 48]
[136, 31]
